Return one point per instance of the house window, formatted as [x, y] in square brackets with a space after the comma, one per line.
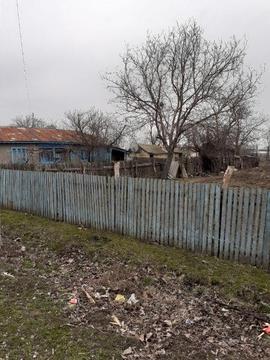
[19, 155]
[46, 156]
[59, 154]
[84, 155]
[79, 155]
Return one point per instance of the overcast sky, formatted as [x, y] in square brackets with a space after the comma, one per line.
[69, 44]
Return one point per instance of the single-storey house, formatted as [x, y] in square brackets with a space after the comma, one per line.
[154, 151]
[50, 146]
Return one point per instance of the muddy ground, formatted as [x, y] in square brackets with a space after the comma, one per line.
[254, 177]
[79, 298]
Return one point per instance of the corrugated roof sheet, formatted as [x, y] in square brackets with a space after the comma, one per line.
[13, 134]
[157, 149]
[152, 149]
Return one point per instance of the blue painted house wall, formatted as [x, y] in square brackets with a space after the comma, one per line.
[52, 153]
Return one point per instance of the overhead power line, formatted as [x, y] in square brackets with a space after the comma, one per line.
[23, 59]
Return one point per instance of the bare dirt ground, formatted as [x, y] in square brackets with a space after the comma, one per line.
[183, 306]
[255, 177]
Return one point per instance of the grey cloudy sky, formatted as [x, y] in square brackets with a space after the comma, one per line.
[69, 44]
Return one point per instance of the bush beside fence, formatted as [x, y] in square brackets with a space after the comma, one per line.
[232, 224]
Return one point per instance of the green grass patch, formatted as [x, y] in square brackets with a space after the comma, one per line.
[244, 282]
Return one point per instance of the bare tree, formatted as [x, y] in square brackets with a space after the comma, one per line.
[267, 138]
[246, 132]
[179, 80]
[228, 132]
[95, 128]
[32, 121]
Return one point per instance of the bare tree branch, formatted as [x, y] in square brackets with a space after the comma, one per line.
[179, 80]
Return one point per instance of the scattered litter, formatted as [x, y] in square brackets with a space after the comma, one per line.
[168, 323]
[4, 273]
[132, 300]
[85, 289]
[128, 351]
[97, 295]
[189, 322]
[161, 352]
[120, 298]
[116, 321]
[265, 330]
[73, 302]
[141, 337]
[23, 248]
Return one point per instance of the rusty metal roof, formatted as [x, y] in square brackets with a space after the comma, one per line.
[16, 134]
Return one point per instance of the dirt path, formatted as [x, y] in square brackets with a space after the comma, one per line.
[169, 315]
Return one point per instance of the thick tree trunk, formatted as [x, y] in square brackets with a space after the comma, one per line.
[167, 166]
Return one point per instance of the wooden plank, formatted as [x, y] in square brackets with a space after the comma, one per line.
[197, 217]
[185, 216]
[101, 202]
[176, 214]
[130, 204]
[201, 216]
[210, 232]
[259, 259]
[250, 225]
[147, 209]
[135, 206]
[159, 204]
[223, 222]
[227, 234]
[188, 218]
[121, 203]
[266, 241]
[94, 199]
[113, 225]
[181, 216]
[194, 219]
[239, 224]
[162, 211]
[256, 229]
[217, 220]
[244, 227]
[154, 210]
[166, 227]
[142, 206]
[126, 220]
[205, 218]
[233, 221]
[107, 202]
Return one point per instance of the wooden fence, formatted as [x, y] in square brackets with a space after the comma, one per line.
[231, 224]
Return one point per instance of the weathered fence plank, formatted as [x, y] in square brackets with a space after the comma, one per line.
[231, 223]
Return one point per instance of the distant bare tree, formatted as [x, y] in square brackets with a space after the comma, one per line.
[179, 80]
[246, 132]
[267, 139]
[95, 128]
[230, 132]
[32, 121]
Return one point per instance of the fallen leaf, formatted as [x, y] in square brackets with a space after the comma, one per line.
[120, 298]
[116, 321]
